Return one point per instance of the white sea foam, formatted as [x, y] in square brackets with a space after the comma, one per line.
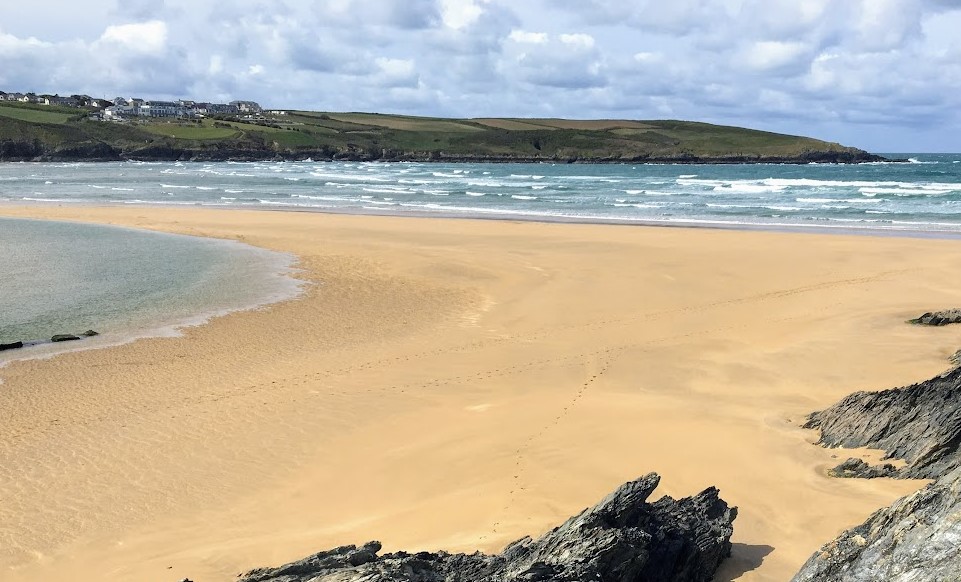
[469, 193]
[908, 191]
[842, 200]
[522, 197]
[748, 188]
[387, 190]
[325, 198]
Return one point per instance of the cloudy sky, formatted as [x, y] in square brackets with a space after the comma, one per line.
[884, 75]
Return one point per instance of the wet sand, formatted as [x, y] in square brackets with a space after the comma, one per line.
[457, 384]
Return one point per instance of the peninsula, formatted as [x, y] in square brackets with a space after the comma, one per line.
[55, 132]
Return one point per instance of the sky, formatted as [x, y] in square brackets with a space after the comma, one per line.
[883, 75]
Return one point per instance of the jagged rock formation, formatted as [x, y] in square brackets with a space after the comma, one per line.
[857, 468]
[920, 424]
[915, 539]
[623, 538]
[938, 318]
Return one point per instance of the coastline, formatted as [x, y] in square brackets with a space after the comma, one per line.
[171, 154]
[709, 345]
[273, 274]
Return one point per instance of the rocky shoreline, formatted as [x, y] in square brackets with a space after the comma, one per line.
[102, 152]
[57, 338]
[623, 538]
[916, 538]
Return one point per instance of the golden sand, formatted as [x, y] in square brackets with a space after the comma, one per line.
[456, 384]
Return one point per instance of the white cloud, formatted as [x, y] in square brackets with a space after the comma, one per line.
[523, 36]
[840, 69]
[460, 13]
[578, 40]
[144, 37]
[766, 55]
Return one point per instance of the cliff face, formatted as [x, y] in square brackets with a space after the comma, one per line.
[917, 539]
[15, 151]
[623, 538]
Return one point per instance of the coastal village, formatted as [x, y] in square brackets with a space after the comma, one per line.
[126, 109]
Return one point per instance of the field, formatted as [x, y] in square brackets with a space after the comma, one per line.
[191, 131]
[32, 115]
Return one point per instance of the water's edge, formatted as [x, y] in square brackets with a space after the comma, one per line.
[284, 284]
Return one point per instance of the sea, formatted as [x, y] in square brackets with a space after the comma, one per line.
[65, 277]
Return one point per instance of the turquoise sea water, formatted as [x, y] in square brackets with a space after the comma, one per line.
[923, 195]
[61, 277]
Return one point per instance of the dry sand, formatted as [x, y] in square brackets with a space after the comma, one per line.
[457, 384]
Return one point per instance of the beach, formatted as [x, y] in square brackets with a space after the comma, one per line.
[458, 384]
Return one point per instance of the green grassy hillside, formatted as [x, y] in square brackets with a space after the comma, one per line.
[40, 132]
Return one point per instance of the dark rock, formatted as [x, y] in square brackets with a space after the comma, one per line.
[858, 468]
[956, 358]
[64, 337]
[914, 539]
[920, 424]
[938, 318]
[917, 537]
[623, 538]
[11, 346]
[89, 333]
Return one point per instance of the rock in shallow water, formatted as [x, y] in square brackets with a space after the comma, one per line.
[621, 539]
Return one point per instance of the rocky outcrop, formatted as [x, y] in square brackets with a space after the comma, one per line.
[915, 539]
[857, 468]
[11, 346]
[60, 337]
[938, 318]
[920, 424]
[623, 538]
